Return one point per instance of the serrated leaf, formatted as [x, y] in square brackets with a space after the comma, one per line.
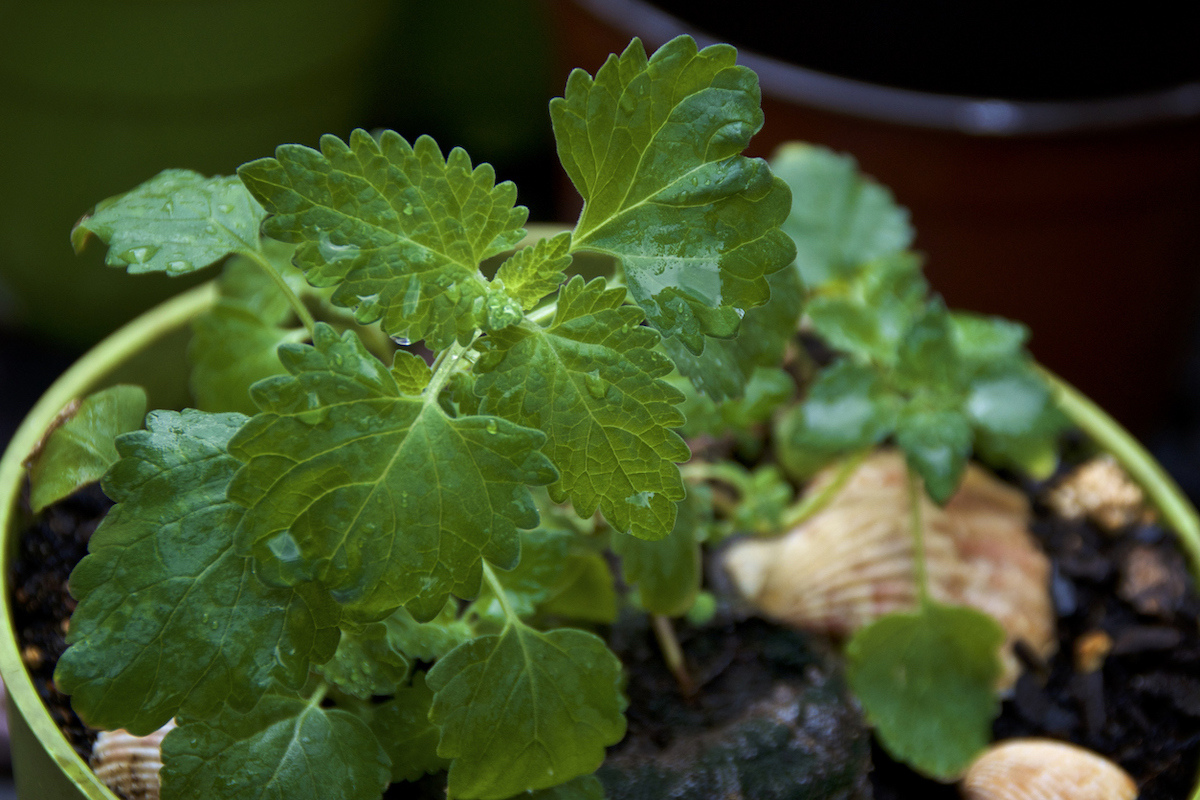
[652, 145]
[366, 663]
[767, 391]
[177, 222]
[532, 273]
[403, 728]
[410, 372]
[936, 443]
[163, 585]
[382, 497]
[727, 366]
[763, 500]
[525, 710]
[838, 219]
[927, 682]
[234, 343]
[81, 449]
[285, 747]
[928, 361]
[869, 313]
[398, 229]
[590, 381]
[667, 572]
[427, 641]
[544, 553]
[1007, 399]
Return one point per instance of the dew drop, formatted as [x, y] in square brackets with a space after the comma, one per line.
[402, 341]
[596, 386]
[225, 208]
[408, 209]
[492, 427]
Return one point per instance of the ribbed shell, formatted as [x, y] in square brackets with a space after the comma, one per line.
[128, 764]
[853, 562]
[1043, 769]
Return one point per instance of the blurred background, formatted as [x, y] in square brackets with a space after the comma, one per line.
[1051, 162]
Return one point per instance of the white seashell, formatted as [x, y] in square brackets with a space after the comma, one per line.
[128, 764]
[1101, 491]
[853, 562]
[1043, 769]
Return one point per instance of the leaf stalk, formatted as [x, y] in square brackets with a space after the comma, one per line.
[810, 505]
[915, 492]
[302, 313]
[672, 653]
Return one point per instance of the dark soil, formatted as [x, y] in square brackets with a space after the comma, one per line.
[1129, 594]
[42, 606]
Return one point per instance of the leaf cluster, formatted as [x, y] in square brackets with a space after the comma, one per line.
[383, 543]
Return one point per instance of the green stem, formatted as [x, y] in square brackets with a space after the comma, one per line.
[540, 315]
[1178, 512]
[672, 653]
[915, 494]
[808, 506]
[318, 695]
[725, 472]
[498, 590]
[448, 361]
[293, 299]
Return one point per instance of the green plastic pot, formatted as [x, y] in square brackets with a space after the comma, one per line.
[150, 351]
[98, 97]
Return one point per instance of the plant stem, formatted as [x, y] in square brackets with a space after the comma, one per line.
[1178, 512]
[672, 653]
[723, 471]
[915, 493]
[318, 695]
[498, 590]
[293, 299]
[808, 506]
[445, 365]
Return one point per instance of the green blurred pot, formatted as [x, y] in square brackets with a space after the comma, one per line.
[97, 97]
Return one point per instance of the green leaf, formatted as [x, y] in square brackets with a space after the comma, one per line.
[403, 728]
[428, 641]
[927, 681]
[82, 448]
[177, 222]
[525, 710]
[1007, 399]
[936, 443]
[285, 747]
[763, 500]
[768, 390]
[163, 585]
[532, 273]
[983, 339]
[727, 367]
[667, 572]
[849, 407]
[234, 343]
[590, 381]
[543, 557]
[382, 497]
[366, 663]
[410, 372]
[398, 229]
[584, 590]
[839, 219]
[928, 361]
[652, 145]
[871, 312]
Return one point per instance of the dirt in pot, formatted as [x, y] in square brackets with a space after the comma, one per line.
[1123, 681]
[47, 552]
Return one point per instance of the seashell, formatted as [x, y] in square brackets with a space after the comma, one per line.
[1033, 769]
[128, 764]
[852, 562]
[1101, 491]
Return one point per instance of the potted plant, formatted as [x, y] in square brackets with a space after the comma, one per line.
[386, 558]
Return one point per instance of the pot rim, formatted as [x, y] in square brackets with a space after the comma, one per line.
[84, 376]
[977, 116]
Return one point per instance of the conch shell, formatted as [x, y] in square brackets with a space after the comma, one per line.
[128, 764]
[853, 561]
[1034, 769]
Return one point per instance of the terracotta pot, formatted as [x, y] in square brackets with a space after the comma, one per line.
[1077, 218]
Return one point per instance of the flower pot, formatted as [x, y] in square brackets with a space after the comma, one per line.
[96, 98]
[151, 348]
[150, 351]
[1075, 217]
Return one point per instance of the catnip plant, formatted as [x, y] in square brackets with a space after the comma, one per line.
[380, 547]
